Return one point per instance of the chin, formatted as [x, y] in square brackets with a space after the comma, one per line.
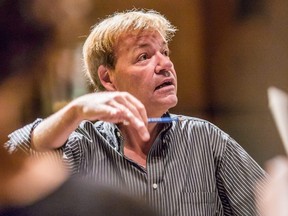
[170, 102]
[162, 103]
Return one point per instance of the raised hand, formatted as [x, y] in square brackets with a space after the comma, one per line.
[113, 107]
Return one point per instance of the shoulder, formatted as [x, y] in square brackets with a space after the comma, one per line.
[189, 123]
[199, 133]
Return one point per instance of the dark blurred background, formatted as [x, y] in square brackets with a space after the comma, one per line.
[226, 54]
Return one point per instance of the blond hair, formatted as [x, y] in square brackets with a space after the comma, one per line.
[99, 46]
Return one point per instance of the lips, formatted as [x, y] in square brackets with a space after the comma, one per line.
[167, 82]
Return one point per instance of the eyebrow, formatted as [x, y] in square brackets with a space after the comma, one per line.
[144, 45]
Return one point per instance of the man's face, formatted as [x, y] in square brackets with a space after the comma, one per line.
[143, 68]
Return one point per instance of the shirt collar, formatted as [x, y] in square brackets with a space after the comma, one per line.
[112, 134]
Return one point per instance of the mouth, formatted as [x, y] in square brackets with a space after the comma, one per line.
[164, 84]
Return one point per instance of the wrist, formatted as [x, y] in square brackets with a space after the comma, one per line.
[74, 111]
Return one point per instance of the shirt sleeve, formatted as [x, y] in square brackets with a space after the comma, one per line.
[21, 138]
[240, 178]
[78, 145]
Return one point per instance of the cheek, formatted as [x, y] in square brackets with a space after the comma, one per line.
[174, 72]
[134, 79]
[129, 84]
[139, 79]
[140, 87]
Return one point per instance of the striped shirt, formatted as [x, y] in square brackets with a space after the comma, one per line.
[193, 167]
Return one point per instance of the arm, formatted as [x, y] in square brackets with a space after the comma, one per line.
[239, 176]
[107, 106]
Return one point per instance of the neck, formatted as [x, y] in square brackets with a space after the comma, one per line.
[134, 148]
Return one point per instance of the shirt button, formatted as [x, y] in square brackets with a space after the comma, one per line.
[154, 186]
[118, 134]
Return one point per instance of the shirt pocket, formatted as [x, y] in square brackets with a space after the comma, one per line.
[198, 203]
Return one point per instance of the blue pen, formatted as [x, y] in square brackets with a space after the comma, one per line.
[163, 120]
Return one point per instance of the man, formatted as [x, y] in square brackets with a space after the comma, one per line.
[38, 185]
[185, 167]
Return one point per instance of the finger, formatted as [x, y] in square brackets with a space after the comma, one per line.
[128, 117]
[128, 109]
[138, 125]
[128, 100]
[134, 105]
[108, 113]
[135, 113]
[139, 106]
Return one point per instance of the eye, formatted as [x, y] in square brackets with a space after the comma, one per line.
[166, 53]
[143, 57]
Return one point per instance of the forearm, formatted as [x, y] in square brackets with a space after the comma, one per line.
[53, 132]
[107, 106]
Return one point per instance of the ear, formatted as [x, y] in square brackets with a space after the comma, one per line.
[105, 79]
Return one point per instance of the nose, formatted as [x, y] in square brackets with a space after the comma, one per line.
[163, 63]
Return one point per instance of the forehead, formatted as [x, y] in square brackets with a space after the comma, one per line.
[139, 39]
